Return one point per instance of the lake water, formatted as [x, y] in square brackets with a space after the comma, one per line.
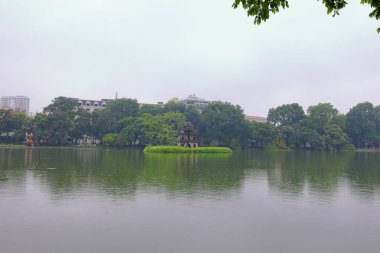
[99, 200]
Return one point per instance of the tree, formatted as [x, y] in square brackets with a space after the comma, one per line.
[260, 10]
[57, 124]
[147, 129]
[11, 126]
[102, 123]
[62, 104]
[130, 131]
[54, 129]
[262, 133]
[83, 124]
[151, 109]
[323, 128]
[224, 124]
[175, 107]
[332, 138]
[160, 129]
[120, 108]
[193, 116]
[288, 120]
[361, 125]
[321, 114]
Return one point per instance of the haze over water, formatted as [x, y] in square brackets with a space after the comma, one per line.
[101, 200]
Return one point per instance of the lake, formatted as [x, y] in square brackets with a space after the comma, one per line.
[122, 200]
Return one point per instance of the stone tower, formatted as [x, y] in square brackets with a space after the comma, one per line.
[187, 137]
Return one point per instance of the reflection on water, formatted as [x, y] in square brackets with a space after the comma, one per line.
[121, 171]
[110, 200]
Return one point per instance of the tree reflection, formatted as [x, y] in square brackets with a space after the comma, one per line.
[122, 172]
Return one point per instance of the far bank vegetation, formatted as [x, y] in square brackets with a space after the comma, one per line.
[124, 123]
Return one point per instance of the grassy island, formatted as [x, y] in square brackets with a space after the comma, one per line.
[176, 149]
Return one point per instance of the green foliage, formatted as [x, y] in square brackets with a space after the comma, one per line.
[260, 10]
[175, 149]
[10, 121]
[323, 126]
[57, 124]
[120, 108]
[109, 139]
[193, 116]
[334, 6]
[102, 123]
[333, 138]
[289, 114]
[83, 124]
[175, 107]
[54, 128]
[288, 120]
[262, 133]
[147, 129]
[151, 109]
[11, 124]
[321, 114]
[225, 124]
[362, 125]
[219, 124]
[62, 104]
[160, 129]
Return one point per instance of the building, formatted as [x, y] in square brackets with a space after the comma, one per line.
[191, 100]
[256, 119]
[187, 137]
[15, 103]
[93, 105]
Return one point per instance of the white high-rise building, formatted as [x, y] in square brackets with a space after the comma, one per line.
[15, 103]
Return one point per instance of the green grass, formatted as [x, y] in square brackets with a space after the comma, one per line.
[176, 149]
[12, 145]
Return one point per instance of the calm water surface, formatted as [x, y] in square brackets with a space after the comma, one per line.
[98, 200]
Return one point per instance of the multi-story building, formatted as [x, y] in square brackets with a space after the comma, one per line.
[93, 105]
[191, 100]
[15, 103]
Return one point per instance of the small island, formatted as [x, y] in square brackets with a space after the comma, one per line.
[178, 149]
[187, 142]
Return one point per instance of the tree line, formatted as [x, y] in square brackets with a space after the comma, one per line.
[126, 123]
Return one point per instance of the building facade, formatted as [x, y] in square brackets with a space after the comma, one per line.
[256, 119]
[93, 105]
[191, 100]
[15, 103]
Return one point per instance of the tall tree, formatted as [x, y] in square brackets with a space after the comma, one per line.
[321, 114]
[224, 124]
[62, 104]
[175, 107]
[160, 129]
[361, 125]
[120, 108]
[323, 128]
[11, 126]
[262, 133]
[288, 120]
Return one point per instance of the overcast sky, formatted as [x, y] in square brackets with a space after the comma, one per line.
[154, 50]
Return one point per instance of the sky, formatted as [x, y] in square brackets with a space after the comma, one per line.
[154, 50]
